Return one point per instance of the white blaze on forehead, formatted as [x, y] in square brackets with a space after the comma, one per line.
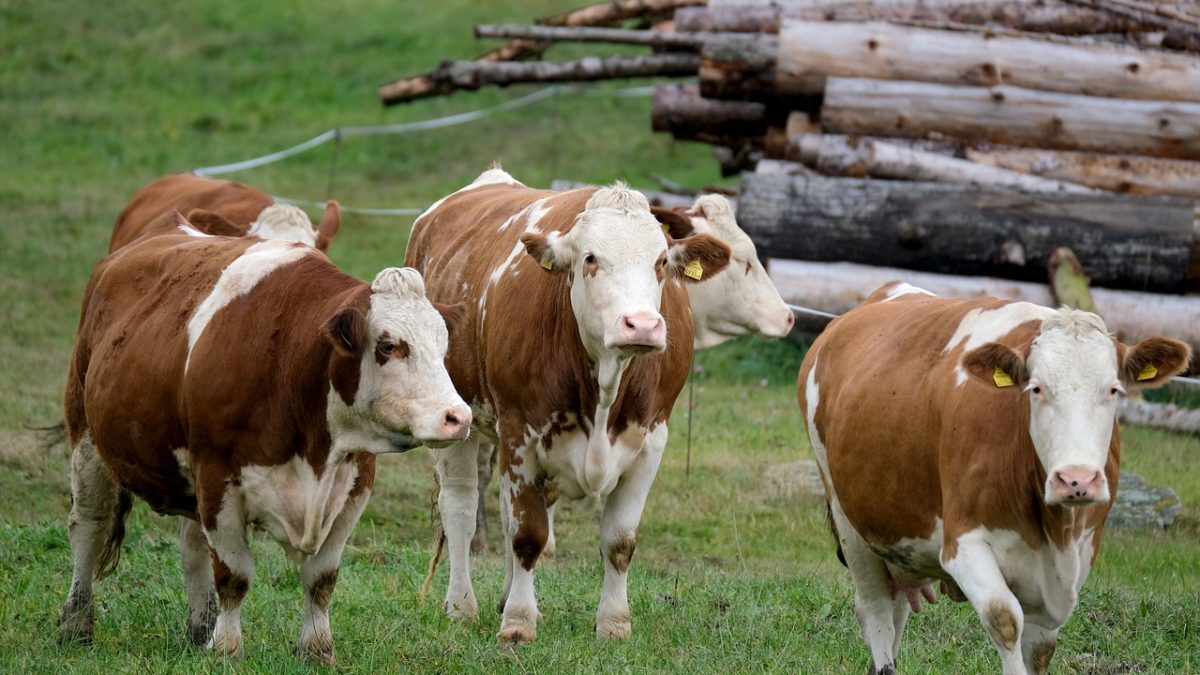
[981, 326]
[284, 222]
[399, 307]
[905, 288]
[240, 278]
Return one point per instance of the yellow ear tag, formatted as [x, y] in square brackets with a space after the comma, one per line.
[1001, 378]
[546, 263]
[1148, 373]
[694, 270]
[665, 228]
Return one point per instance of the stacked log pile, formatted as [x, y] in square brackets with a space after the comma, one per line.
[949, 137]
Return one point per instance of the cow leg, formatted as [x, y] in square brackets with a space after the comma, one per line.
[1037, 647]
[525, 535]
[505, 528]
[458, 477]
[94, 511]
[487, 467]
[978, 575]
[618, 534]
[232, 563]
[319, 575]
[550, 549]
[881, 616]
[198, 580]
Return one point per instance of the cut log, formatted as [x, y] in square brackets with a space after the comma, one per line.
[1118, 173]
[1125, 242]
[680, 110]
[807, 53]
[469, 75]
[838, 287]
[652, 38]
[858, 157]
[424, 86]
[1159, 415]
[1021, 16]
[611, 12]
[1183, 31]
[1012, 116]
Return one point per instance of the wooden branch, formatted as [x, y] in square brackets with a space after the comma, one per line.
[858, 157]
[651, 38]
[611, 12]
[424, 86]
[1182, 33]
[1021, 16]
[1118, 173]
[837, 287]
[1125, 242]
[1012, 116]
[680, 110]
[809, 52]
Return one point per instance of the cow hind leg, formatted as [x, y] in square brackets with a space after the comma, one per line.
[96, 527]
[198, 580]
[486, 467]
[881, 617]
[319, 574]
[458, 476]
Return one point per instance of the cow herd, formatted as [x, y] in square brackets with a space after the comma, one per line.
[226, 372]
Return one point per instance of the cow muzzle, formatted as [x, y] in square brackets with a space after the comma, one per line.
[640, 333]
[1077, 486]
[455, 425]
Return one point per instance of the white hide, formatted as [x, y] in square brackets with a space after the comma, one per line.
[407, 398]
[295, 506]
[284, 222]
[741, 300]
[981, 326]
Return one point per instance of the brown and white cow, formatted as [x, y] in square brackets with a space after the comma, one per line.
[576, 341]
[971, 441]
[238, 382]
[221, 207]
[741, 301]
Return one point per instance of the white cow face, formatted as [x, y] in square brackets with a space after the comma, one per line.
[617, 259]
[741, 301]
[1073, 377]
[404, 393]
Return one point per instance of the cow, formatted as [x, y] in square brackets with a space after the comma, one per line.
[576, 341]
[221, 207]
[742, 301]
[971, 442]
[239, 383]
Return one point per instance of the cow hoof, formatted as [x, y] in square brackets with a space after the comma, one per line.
[228, 646]
[517, 632]
[75, 626]
[200, 628]
[548, 553]
[462, 611]
[75, 637]
[319, 651]
[616, 627]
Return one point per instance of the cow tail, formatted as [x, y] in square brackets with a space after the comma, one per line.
[110, 555]
[833, 528]
[433, 565]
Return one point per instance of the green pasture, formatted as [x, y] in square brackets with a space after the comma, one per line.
[731, 574]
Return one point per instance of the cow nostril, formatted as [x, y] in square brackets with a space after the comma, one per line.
[1074, 483]
[452, 419]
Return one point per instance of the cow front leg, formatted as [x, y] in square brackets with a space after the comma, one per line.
[977, 573]
[224, 524]
[198, 580]
[487, 467]
[526, 530]
[1037, 647]
[319, 574]
[98, 508]
[551, 548]
[458, 476]
[618, 534]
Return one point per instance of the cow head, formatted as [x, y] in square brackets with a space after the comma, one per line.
[1073, 376]
[394, 343]
[617, 260]
[741, 301]
[289, 223]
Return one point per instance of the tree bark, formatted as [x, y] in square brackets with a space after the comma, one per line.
[1012, 116]
[1024, 16]
[1118, 173]
[680, 110]
[611, 12]
[1183, 32]
[454, 75]
[858, 157]
[652, 38]
[810, 52]
[1159, 415]
[1124, 242]
[840, 286]
[424, 86]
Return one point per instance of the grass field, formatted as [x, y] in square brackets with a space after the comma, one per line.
[97, 99]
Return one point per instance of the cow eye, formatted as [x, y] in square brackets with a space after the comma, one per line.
[589, 259]
[663, 264]
[386, 347]
[1036, 389]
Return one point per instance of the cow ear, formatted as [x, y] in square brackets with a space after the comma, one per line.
[673, 222]
[453, 315]
[330, 222]
[550, 254]
[347, 331]
[209, 222]
[997, 366]
[697, 257]
[1151, 362]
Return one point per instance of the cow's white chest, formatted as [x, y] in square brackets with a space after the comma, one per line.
[564, 461]
[293, 504]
